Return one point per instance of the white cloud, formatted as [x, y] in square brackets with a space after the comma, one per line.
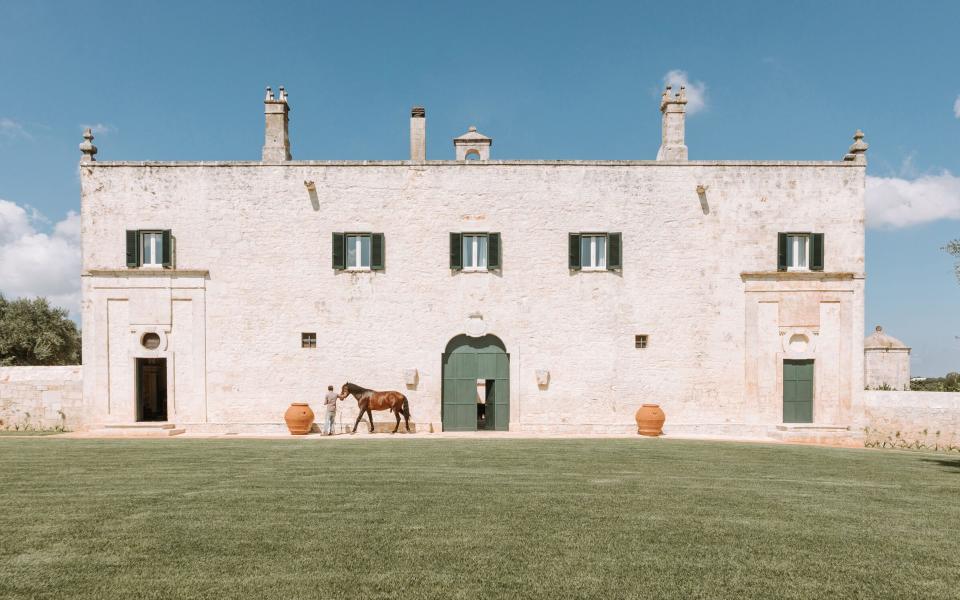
[894, 202]
[33, 263]
[956, 107]
[11, 130]
[99, 128]
[696, 90]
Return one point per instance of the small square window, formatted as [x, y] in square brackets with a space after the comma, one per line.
[151, 248]
[593, 252]
[640, 341]
[798, 252]
[308, 340]
[358, 251]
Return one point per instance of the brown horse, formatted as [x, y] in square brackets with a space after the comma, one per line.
[369, 400]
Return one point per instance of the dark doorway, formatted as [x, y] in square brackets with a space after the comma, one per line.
[151, 389]
[798, 391]
[485, 401]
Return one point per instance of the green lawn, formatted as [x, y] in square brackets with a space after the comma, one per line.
[473, 518]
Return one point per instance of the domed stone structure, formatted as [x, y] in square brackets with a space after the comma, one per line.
[886, 362]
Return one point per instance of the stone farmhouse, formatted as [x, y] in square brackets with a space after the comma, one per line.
[520, 295]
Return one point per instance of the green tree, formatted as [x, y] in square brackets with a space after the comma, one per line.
[953, 249]
[34, 333]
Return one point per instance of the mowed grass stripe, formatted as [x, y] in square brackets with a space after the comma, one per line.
[470, 518]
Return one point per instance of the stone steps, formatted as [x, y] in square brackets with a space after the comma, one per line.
[140, 429]
[814, 433]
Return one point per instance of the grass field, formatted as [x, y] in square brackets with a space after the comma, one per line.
[473, 518]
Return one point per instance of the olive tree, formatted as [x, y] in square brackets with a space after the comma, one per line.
[34, 333]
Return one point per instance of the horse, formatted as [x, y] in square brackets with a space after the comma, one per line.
[369, 400]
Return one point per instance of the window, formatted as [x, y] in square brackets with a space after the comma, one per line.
[640, 341]
[595, 251]
[308, 340]
[149, 248]
[800, 252]
[358, 251]
[474, 251]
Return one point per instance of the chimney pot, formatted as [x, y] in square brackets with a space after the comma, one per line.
[674, 109]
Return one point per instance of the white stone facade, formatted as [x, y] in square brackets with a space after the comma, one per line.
[886, 362]
[42, 398]
[252, 270]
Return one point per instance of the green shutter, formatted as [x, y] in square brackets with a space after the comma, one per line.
[456, 251]
[376, 252]
[339, 251]
[133, 248]
[614, 251]
[493, 250]
[816, 252]
[167, 249]
[781, 252]
[574, 251]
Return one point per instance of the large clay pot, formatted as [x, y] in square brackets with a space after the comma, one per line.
[299, 418]
[650, 420]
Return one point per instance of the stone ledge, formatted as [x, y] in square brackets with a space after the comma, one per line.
[799, 275]
[146, 273]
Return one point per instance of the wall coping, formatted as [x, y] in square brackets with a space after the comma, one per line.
[477, 163]
[799, 275]
[171, 273]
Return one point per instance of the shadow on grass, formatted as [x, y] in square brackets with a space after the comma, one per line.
[949, 463]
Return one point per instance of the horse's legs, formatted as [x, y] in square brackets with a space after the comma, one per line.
[397, 413]
[363, 406]
[370, 415]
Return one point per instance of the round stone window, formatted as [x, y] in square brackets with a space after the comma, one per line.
[150, 341]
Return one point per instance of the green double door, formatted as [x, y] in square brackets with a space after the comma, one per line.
[466, 363]
[798, 391]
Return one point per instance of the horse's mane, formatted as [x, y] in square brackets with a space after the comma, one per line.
[354, 388]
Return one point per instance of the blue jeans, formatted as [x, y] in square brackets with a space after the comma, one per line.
[328, 421]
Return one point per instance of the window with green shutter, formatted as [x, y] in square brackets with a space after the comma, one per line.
[149, 248]
[595, 251]
[799, 251]
[471, 251]
[359, 251]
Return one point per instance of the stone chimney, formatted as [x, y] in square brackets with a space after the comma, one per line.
[418, 133]
[276, 140]
[674, 109]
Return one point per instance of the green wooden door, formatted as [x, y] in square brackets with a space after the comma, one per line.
[798, 391]
[460, 391]
[466, 361]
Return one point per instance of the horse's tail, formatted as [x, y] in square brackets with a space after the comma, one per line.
[406, 408]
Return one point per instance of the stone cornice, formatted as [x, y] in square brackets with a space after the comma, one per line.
[478, 163]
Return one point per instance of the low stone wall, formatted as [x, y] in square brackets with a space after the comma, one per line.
[928, 420]
[41, 398]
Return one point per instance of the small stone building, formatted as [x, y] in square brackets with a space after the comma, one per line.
[886, 362]
[730, 292]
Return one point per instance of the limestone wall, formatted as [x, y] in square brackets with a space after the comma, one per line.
[253, 271]
[41, 398]
[887, 368]
[901, 419]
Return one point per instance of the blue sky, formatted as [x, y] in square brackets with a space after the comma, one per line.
[184, 80]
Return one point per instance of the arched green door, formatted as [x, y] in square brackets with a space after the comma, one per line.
[465, 362]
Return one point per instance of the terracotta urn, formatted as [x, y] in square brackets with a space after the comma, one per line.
[299, 418]
[650, 420]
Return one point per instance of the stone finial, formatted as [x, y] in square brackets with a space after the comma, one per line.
[283, 94]
[858, 150]
[269, 97]
[879, 329]
[87, 148]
